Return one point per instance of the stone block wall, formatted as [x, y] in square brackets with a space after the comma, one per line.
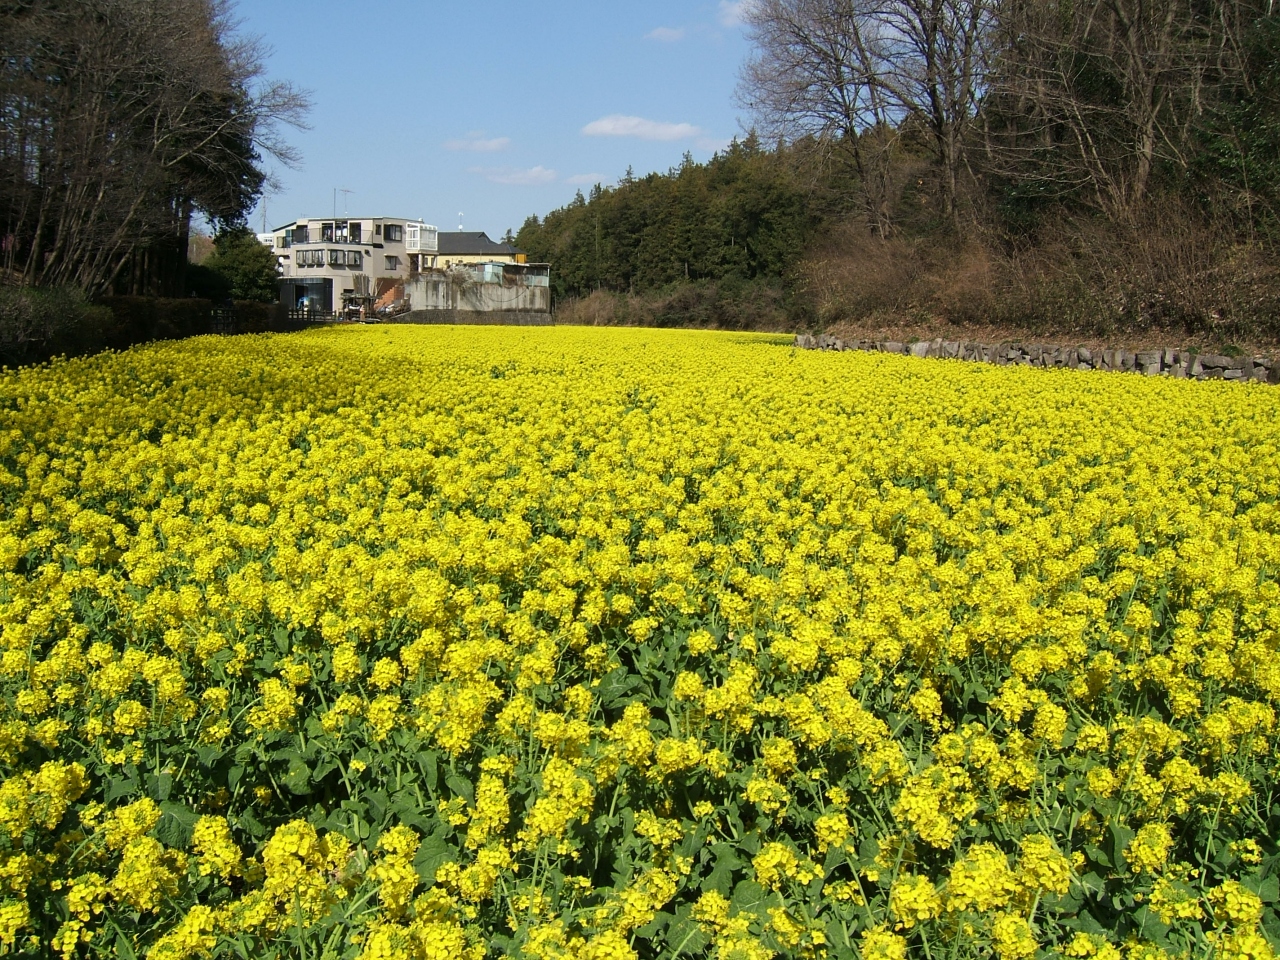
[1165, 362]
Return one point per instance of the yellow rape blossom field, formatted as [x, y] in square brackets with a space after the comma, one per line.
[572, 643]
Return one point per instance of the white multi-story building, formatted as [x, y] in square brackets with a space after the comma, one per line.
[321, 259]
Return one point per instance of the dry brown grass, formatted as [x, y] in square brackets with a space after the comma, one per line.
[705, 305]
[1168, 280]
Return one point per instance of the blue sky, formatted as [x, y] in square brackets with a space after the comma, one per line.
[498, 110]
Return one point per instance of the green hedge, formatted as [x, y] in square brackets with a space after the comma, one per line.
[39, 323]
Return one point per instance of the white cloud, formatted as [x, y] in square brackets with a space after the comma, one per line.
[475, 141]
[534, 176]
[586, 179]
[733, 12]
[618, 125]
[666, 34]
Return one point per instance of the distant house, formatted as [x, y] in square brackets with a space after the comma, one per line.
[323, 258]
[475, 247]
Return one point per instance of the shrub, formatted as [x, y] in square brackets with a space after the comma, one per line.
[36, 322]
[723, 305]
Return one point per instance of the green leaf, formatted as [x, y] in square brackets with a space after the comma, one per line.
[750, 897]
[122, 787]
[1120, 838]
[1067, 904]
[1085, 922]
[427, 763]
[251, 824]
[838, 946]
[616, 684]
[1267, 888]
[209, 755]
[650, 931]
[432, 852]
[298, 777]
[1152, 927]
[124, 950]
[727, 863]
[176, 823]
[460, 787]
[1098, 855]
[685, 935]
[377, 801]
[406, 809]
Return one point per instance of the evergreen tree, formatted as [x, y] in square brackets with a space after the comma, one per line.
[246, 265]
[742, 217]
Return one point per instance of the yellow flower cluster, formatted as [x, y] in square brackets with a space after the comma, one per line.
[571, 643]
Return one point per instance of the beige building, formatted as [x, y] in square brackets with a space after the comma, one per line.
[323, 258]
[475, 247]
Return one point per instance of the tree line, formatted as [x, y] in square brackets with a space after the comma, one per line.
[1131, 145]
[745, 215]
[119, 121]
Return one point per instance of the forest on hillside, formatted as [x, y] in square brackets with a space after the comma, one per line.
[119, 122]
[736, 223]
[1100, 166]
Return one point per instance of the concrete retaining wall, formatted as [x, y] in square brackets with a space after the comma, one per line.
[451, 290]
[514, 318]
[1165, 362]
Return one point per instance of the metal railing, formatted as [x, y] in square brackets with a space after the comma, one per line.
[223, 320]
[307, 315]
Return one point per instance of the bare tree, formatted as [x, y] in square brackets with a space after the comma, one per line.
[813, 73]
[932, 62]
[853, 72]
[118, 119]
[1087, 100]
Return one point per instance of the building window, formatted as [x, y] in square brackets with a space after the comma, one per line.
[299, 234]
[391, 263]
[286, 239]
[353, 232]
[337, 258]
[326, 233]
[354, 258]
[377, 229]
[394, 232]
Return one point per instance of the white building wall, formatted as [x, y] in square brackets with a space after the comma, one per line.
[356, 266]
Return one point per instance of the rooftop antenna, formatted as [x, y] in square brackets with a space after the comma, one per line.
[344, 191]
[459, 221]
